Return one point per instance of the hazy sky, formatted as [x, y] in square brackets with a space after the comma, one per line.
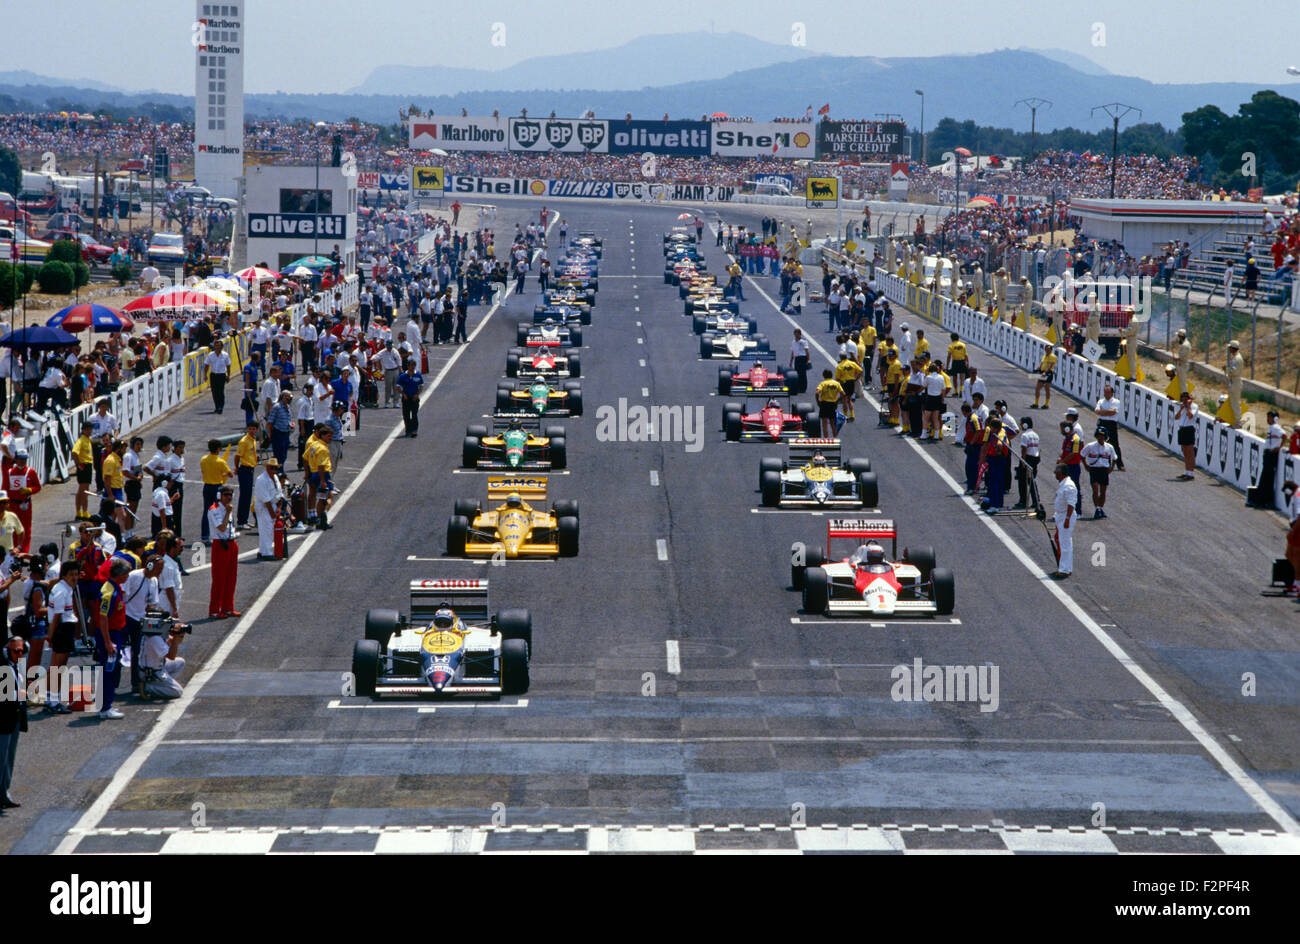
[331, 45]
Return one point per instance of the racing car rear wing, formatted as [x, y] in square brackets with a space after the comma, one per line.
[802, 450]
[526, 420]
[529, 487]
[862, 529]
[469, 598]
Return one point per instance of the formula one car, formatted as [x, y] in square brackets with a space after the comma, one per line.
[538, 398]
[813, 476]
[732, 344]
[588, 242]
[679, 236]
[697, 284]
[724, 321]
[867, 582]
[569, 296]
[712, 304]
[770, 421]
[514, 528]
[544, 361]
[515, 443]
[562, 313]
[548, 334]
[756, 379]
[683, 268]
[576, 279]
[448, 645]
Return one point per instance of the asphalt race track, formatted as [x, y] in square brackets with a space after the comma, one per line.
[677, 686]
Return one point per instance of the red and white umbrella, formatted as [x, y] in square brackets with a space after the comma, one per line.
[178, 303]
[257, 274]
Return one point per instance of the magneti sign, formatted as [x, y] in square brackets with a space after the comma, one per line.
[574, 135]
[876, 141]
[458, 133]
[297, 226]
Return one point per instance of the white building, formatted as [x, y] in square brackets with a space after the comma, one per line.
[219, 96]
[300, 211]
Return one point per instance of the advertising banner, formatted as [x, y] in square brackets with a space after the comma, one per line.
[763, 139]
[571, 135]
[427, 179]
[822, 192]
[457, 133]
[297, 226]
[677, 138]
[601, 189]
[501, 186]
[875, 141]
[399, 181]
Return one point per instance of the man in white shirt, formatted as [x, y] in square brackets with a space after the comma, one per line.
[413, 336]
[833, 305]
[322, 398]
[160, 506]
[307, 338]
[1261, 494]
[176, 470]
[170, 584]
[390, 361]
[61, 613]
[270, 392]
[1099, 458]
[1030, 454]
[267, 494]
[1107, 411]
[218, 364]
[1067, 494]
[800, 358]
[1185, 422]
[139, 592]
[972, 386]
[906, 344]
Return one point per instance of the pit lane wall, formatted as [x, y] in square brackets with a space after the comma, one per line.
[1228, 454]
[142, 400]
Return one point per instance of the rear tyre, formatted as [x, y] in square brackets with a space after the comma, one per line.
[512, 365]
[868, 490]
[922, 558]
[945, 590]
[859, 465]
[521, 335]
[753, 326]
[567, 508]
[514, 667]
[762, 343]
[365, 666]
[768, 464]
[568, 537]
[457, 535]
[724, 381]
[586, 312]
[574, 402]
[559, 453]
[770, 487]
[380, 625]
[477, 429]
[505, 402]
[816, 591]
[575, 365]
[812, 425]
[554, 432]
[699, 324]
[575, 336]
[516, 624]
[469, 452]
[706, 346]
[731, 423]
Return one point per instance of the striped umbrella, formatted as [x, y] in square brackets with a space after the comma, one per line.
[98, 318]
[178, 303]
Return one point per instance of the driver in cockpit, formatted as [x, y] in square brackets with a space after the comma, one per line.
[870, 558]
[445, 618]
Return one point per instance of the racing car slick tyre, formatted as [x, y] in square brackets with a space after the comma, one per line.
[812, 557]
[554, 432]
[859, 465]
[706, 346]
[559, 453]
[816, 591]
[586, 312]
[512, 365]
[365, 666]
[730, 406]
[466, 508]
[770, 487]
[575, 336]
[505, 402]
[591, 300]
[731, 423]
[521, 334]
[476, 430]
[812, 426]
[380, 625]
[945, 590]
[514, 667]
[769, 464]
[574, 401]
[568, 508]
[699, 324]
[762, 342]
[922, 558]
[575, 365]
[868, 489]
[457, 535]
[568, 537]
[516, 624]
[469, 453]
[724, 381]
[802, 408]
[733, 307]
[753, 326]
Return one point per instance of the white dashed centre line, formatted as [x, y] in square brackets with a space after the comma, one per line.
[661, 547]
[645, 391]
[674, 657]
[654, 477]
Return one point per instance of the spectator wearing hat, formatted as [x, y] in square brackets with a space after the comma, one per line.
[21, 483]
[268, 492]
[1234, 369]
[1099, 458]
[1261, 494]
[1251, 281]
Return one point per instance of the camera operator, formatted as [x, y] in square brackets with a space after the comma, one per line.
[140, 590]
[159, 662]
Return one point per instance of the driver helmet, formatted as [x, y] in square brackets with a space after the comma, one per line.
[875, 554]
[774, 403]
[514, 501]
[444, 617]
[550, 322]
[515, 424]
[758, 362]
[818, 459]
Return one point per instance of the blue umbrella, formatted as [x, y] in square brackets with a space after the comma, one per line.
[99, 318]
[37, 336]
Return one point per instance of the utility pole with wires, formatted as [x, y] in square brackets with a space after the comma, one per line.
[1033, 103]
[1116, 111]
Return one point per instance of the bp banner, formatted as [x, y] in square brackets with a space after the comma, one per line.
[763, 139]
[573, 135]
[873, 141]
[457, 133]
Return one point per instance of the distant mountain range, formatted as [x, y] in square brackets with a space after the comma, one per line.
[777, 80]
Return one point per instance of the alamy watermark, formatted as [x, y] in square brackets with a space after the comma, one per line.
[638, 423]
[948, 683]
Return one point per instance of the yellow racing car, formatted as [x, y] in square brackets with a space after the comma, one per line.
[514, 529]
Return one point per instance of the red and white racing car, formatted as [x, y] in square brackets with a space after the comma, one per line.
[759, 378]
[770, 422]
[867, 582]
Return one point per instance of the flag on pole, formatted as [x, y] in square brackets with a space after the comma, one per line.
[825, 109]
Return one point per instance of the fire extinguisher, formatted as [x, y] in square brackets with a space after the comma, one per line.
[278, 530]
[424, 361]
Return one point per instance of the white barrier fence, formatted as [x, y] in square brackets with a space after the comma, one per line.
[1228, 454]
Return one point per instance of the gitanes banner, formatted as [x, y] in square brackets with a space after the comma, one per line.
[573, 135]
[763, 139]
[677, 138]
[457, 133]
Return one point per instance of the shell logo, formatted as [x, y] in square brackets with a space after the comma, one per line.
[537, 187]
[801, 139]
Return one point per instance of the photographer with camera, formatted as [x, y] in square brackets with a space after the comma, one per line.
[159, 661]
[140, 592]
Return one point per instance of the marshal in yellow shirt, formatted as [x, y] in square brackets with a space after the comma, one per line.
[246, 451]
[1047, 363]
[214, 469]
[829, 391]
[83, 450]
[956, 351]
[894, 373]
[112, 471]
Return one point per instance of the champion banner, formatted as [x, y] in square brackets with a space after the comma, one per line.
[572, 135]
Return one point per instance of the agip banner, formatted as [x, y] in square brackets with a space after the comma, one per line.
[763, 139]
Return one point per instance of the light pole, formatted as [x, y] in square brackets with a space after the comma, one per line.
[1116, 110]
[1033, 104]
[923, 160]
[315, 197]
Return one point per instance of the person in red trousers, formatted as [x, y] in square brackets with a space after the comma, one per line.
[225, 555]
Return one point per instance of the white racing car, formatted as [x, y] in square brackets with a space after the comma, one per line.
[448, 645]
[813, 476]
[867, 582]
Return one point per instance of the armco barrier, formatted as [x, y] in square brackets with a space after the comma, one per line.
[1228, 454]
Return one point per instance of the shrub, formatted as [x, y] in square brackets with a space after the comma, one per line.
[56, 278]
[122, 272]
[64, 250]
[80, 273]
